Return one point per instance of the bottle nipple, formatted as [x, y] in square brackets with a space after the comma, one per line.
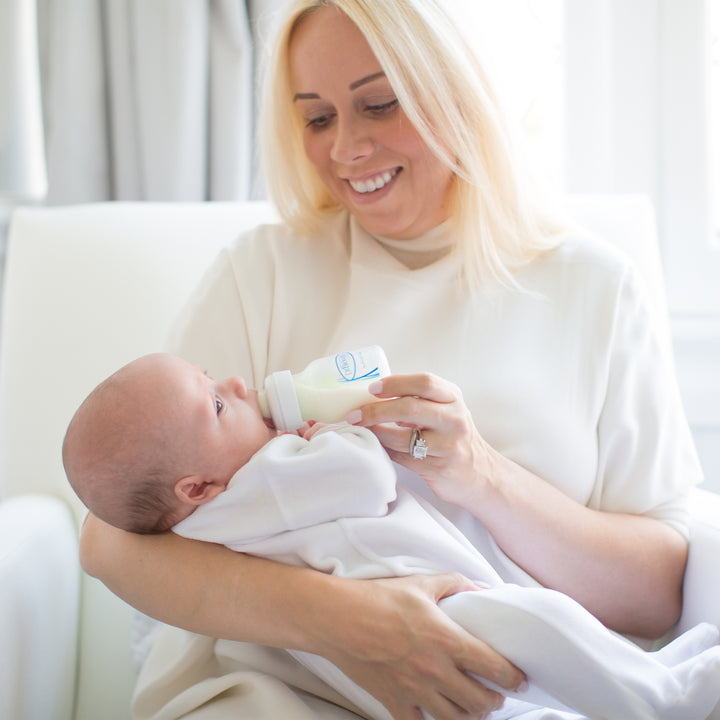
[280, 401]
[263, 403]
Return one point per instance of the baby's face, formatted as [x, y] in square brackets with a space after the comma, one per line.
[219, 423]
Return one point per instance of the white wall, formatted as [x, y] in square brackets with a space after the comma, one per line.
[697, 354]
[637, 121]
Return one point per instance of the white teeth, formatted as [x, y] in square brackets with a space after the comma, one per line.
[368, 186]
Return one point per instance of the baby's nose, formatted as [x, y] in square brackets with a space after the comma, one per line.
[237, 386]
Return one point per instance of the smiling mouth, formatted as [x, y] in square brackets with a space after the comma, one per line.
[372, 184]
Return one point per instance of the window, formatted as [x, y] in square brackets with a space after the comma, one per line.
[714, 60]
[689, 166]
[643, 116]
[521, 44]
[638, 90]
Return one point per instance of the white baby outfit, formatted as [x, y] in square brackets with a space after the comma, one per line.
[333, 504]
[568, 378]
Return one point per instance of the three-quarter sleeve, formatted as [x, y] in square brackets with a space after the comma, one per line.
[647, 461]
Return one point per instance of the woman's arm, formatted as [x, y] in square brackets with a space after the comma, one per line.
[626, 569]
[387, 635]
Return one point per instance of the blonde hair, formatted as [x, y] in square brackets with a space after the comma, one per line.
[445, 93]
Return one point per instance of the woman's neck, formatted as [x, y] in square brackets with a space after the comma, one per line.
[421, 251]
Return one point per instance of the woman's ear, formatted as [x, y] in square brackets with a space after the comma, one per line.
[193, 490]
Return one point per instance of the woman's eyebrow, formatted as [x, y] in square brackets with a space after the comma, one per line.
[369, 78]
[353, 86]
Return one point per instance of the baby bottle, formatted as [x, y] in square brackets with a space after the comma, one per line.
[326, 390]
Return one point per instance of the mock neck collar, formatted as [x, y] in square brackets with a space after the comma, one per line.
[418, 252]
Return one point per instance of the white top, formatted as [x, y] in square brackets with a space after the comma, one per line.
[569, 378]
[333, 504]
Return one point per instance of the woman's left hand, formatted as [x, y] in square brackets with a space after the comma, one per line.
[457, 461]
[587, 554]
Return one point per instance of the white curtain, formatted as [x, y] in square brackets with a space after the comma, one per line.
[146, 99]
[22, 156]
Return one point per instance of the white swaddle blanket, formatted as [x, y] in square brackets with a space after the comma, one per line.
[334, 504]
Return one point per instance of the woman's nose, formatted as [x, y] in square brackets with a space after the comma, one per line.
[352, 142]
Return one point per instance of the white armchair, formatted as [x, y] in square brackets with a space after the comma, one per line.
[87, 289]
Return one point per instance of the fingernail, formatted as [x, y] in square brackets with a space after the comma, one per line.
[375, 388]
[523, 686]
[354, 416]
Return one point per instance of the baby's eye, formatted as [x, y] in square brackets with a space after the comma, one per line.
[218, 405]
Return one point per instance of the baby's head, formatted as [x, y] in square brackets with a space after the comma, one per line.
[158, 438]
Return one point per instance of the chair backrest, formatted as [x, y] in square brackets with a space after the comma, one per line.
[88, 288]
[628, 222]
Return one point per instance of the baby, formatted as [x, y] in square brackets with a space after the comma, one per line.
[161, 445]
[158, 438]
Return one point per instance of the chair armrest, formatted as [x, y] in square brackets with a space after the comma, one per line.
[701, 591]
[39, 608]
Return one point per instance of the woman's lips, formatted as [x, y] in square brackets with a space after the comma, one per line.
[373, 183]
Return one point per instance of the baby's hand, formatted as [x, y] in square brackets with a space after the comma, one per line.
[304, 428]
[309, 429]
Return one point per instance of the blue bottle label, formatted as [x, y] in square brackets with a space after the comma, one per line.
[352, 368]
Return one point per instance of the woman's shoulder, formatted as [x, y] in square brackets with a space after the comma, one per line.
[593, 252]
[585, 262]
[278, 240]
[273, 263]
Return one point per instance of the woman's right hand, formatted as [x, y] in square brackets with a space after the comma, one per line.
[388, 635]
[408, 654]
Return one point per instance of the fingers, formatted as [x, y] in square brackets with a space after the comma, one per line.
[421, 658]
[465, 696]
[445, 441]
[444, 585]
[468, 653]
[313, 427]
[423, 385]
[487, 664]
[454, 455]
[418, 400]
[440, 707]
[445, 692]
[478, 657]
[396, 440]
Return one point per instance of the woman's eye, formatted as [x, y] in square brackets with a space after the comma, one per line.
[319, 122]
[382, 108]
[218, 405]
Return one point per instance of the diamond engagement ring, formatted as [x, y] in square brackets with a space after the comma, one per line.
[418, 446]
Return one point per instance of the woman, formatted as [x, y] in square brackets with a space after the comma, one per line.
[566, 458]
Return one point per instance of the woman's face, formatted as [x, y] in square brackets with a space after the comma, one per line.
[356, 135]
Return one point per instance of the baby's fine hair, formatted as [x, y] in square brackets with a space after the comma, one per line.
[152, 506]
[125, 481]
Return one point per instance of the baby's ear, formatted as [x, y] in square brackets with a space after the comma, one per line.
[194, 490]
